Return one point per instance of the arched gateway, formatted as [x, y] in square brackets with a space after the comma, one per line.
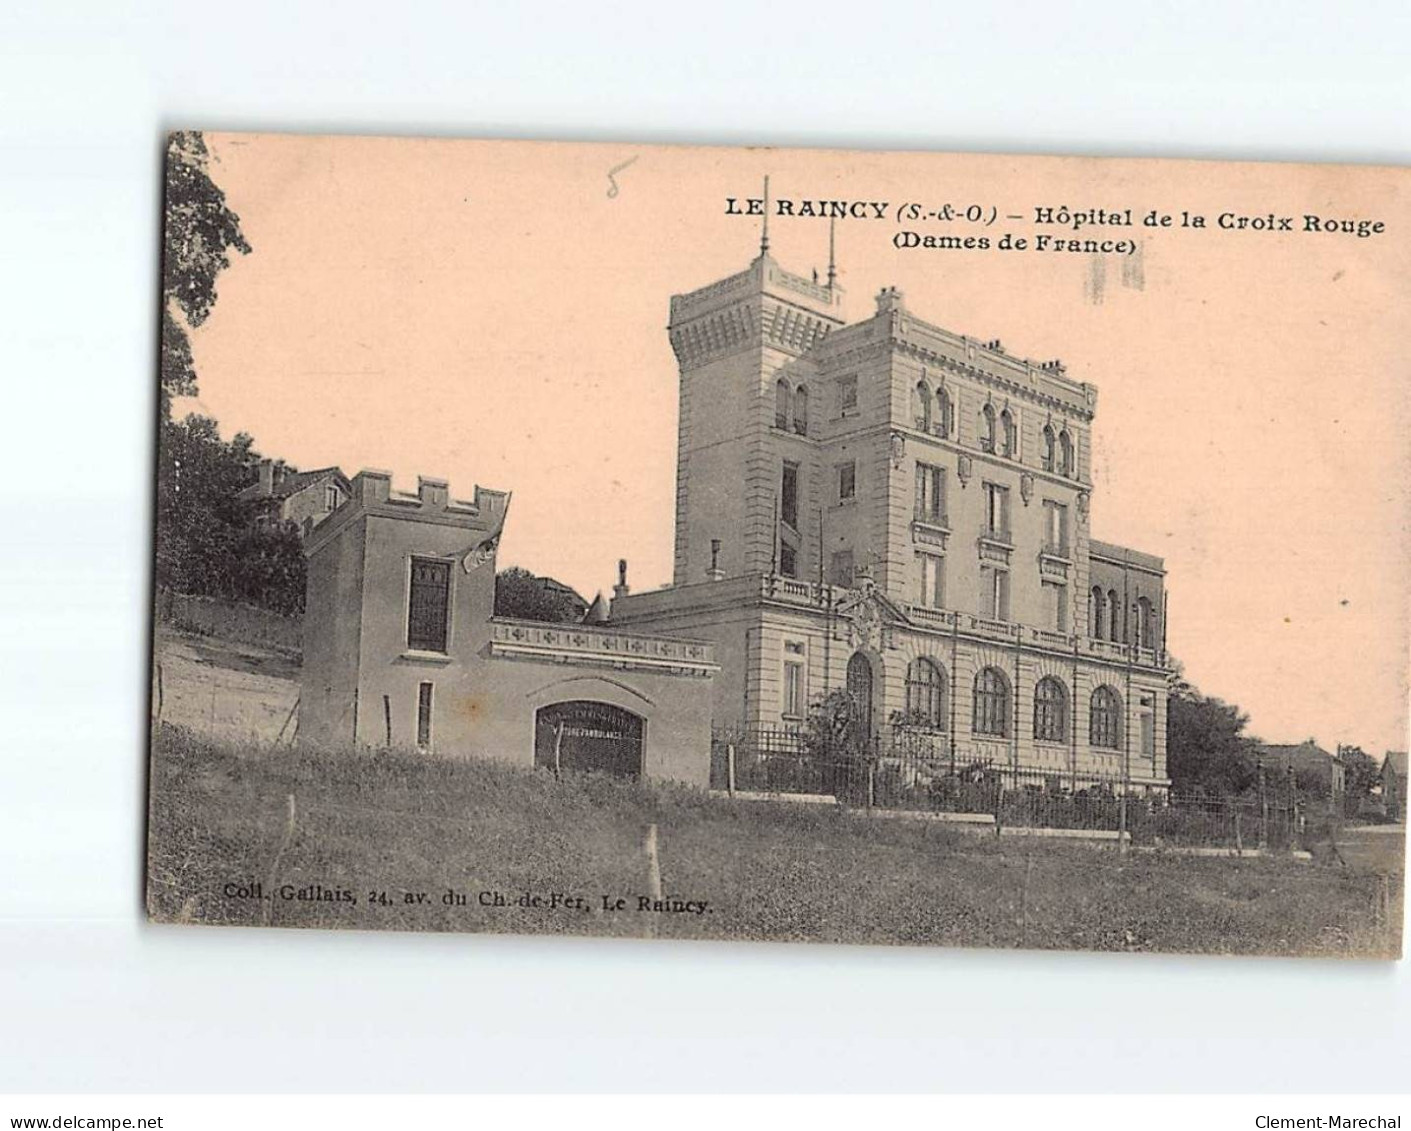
[583, 734]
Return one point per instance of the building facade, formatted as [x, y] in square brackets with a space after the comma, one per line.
[281, 496]
[401, 649]
[895, 509]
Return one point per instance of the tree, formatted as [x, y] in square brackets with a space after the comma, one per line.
[1206, 747]
[1362, 772]
[204, 541]
[521, 594]
[200, 231]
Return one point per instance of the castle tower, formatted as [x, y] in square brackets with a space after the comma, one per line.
[746, 467]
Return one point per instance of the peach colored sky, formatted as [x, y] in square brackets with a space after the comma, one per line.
[485, 312]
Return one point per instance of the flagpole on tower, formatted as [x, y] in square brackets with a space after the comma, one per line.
[832, 258]
[764, 233]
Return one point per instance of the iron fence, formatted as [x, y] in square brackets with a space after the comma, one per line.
[905, 770]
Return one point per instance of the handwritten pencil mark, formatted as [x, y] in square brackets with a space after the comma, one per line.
[612, 180]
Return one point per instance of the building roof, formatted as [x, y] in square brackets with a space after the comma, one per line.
[1306, 753]
[295, 482]
[1396, 761]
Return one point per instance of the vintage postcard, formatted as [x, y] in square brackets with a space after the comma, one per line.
[781, 545]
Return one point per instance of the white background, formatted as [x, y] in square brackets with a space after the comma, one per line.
[92, 998]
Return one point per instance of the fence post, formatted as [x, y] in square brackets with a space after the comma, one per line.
[387, 716]
[730, 769]
[1263, 809]
[1239, 840]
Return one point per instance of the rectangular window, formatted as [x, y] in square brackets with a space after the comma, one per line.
[788, 560]
[847, 481]
[994, 593]
[933, 573]
[1055, 528]
[930, 494]
[840, 569]
[1055, 606]
[847, 394]
[331, 498]
[1148, 726]
[423, 716]
[793, 679]
[997, 511]
[428, 605]
[789, 495]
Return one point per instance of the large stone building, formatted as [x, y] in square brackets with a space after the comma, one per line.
[903, 511]
[401, 649]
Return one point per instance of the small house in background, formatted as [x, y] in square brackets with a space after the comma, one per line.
[1393, 783]
[1313, 768]
[402, 648]
[303, 499]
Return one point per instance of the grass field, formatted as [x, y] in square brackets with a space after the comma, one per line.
[419, 842]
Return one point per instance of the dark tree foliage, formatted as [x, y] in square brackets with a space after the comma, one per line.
[205, 544]
[1206, 748]
[200, 232]
[521, 594]
[1363, 773]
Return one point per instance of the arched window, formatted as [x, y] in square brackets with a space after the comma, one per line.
[781, 403]
[1114, 616]
[943, 425]
[1047, 452]
[1050, 711]
[991, 703]
[859, 684]
[921, 406]
[801, 410]
[1009, 436]
[1145, 633]
[926, 694]
[1097, 602]
[987, 428]
[1065, 453]
[1105, 719]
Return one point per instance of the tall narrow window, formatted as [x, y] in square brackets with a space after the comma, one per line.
[1096, 603]
[943, 413]
[789, 495]
[1055, 596]
[1147, 721]
[991, 703]
[428, 605]
[788, 560]
[331, 497]
[423, 716]
[930, 494]
[1046, 448]
[1105, 719]
[1050, 711]
[1009, 435]
[921, 406]
[996, 511]
[926, 694]
[840, 569]
[847, 394]
[1055, 528]
[793, 679]
[932, 574]
[847, 481]
[987, 428]
[1065, 454]
[994, 593]
[1145, 630]
[1114, 616]
[801, 410]
[781, 403]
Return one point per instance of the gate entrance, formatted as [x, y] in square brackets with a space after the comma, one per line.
[586, 735]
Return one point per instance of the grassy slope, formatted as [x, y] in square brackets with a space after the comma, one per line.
[407, 823]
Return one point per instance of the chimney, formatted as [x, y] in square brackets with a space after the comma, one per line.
[266, 473]
[715, 573]
[621, 589]
[372, 486]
